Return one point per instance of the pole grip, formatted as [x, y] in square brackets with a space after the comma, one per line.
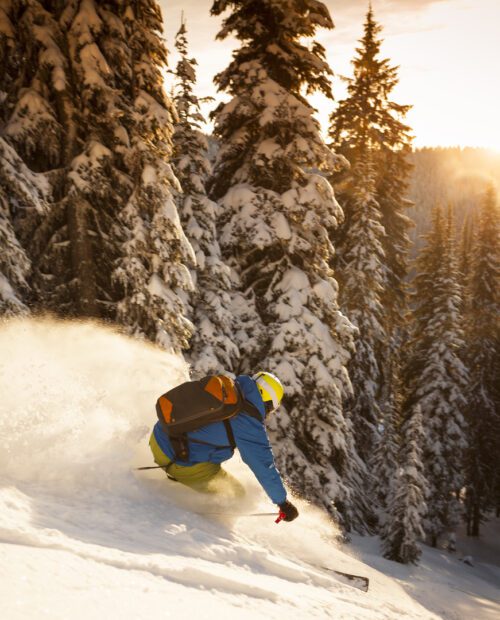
[281, 516]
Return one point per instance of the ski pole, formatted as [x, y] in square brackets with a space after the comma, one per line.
[151, 467]
[239, 514]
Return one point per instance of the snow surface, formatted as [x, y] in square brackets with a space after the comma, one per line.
[84, 536]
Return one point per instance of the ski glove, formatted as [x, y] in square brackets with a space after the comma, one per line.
[289, 510]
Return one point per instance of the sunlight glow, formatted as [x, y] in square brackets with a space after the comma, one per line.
[447, 51]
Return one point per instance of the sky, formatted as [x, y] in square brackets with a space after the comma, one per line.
[448, 53]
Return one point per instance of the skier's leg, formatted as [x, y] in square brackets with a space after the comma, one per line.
[226, 483]
[204, 477]
[207, 478]
[159, 456]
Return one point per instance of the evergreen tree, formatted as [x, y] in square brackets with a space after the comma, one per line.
[20, 190]
[85, 107]
[435, 377]
[392, 188]
[367, 117]
[465, 260]
[406, 502]
[212, 346]
[466, 247]
[15, 192]
[367, 120]
[274, 233]
[386, 456]
[361, 283]
[153, 269]
[483, 359]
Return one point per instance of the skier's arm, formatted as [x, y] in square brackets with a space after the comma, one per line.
[253, 443]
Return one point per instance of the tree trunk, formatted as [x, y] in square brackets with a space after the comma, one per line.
[476, 519]
[82, 266]
[81, 257]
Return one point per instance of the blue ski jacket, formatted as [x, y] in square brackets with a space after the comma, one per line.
[250, 437]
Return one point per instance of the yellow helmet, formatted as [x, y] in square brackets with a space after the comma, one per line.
[270, 388]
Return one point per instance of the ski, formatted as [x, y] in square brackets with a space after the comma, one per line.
[356, 581]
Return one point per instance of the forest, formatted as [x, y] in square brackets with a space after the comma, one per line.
[361, 271]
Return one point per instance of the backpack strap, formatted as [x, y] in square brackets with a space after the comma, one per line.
[252, 411]
[207, 443]
[247, 407]
[230, 434]
[180, 447]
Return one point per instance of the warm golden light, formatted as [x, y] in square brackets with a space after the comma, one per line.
[448, 53]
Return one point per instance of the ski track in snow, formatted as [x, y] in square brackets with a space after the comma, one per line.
[82, 534]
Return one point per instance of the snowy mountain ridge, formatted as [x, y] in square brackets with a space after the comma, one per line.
[81, 533]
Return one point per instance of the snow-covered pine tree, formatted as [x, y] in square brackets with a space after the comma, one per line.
[367, 118]
[362, 277]
[385, 461]
[212, 346]
[274, 233]
[466, 247]
[482, 354]
[152, 269]
[20, 189]
[41, 121]
[29, 58]
[464, 262]
[406, 500]
[85, 107]
[367, 115]
[434, 376]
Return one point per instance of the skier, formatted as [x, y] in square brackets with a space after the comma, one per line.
[208, 446]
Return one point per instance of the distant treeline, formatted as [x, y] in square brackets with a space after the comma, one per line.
[449, 176]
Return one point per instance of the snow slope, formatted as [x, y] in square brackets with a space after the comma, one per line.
[84, 536]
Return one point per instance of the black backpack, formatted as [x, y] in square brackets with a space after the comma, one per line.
[194, 404]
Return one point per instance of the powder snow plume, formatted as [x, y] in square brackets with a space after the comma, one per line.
[77, 399]
[84, 534]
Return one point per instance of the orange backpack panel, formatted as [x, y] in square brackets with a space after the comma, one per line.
[193, 404]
